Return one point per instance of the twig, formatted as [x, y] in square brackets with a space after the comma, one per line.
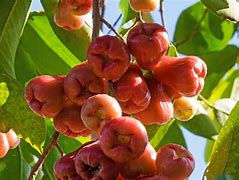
[139, 18]
[111, 28]
[161, 13]
[96, 19]
[210, 105]
[194, 30]
[102, 7]
[59, 149]
[115, 23]
[41, 160]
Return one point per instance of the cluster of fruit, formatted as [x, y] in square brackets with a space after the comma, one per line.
[111, 96]
[70, 13]
[8, 140]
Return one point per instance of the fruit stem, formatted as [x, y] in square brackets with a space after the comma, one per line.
[96, 19]
[45, 153]
[161, 13]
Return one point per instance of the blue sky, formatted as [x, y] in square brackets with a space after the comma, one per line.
[172, 10]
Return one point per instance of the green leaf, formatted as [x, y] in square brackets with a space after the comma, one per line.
[76, 41]
[208, 150]
[168, 133]
[200, 125]
[17, 163]
[225, 155]
[217, 67]
[226, 9]
[47, 56]
[172, 51]
[128, 15]
[152, 130]
[198, 31]
[14, 113]
[13, 17]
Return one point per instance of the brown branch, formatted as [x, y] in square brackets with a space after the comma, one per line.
[210, 105]
[41, 160]
[96, 19]
[115, 23]
[161, 13]
[194, 31]
[111, 28]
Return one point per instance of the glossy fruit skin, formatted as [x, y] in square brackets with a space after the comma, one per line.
[13, 139]
[108, 57]
[183, 75]
[148, 42]
[160, 109]
[142, 166]
[66, 19]
[81, 83]
[45, 95]
[123, 139]
[80, 7]
[161, 177]
[131, 91]
[98, 109]
[92, 163]
[144, 5]
[69, 122]
[64, 168]
[4, 145]
[174, 161]
[184, 108]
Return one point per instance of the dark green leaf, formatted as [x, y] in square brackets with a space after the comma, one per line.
[13, 17]
[224, 8]
[198, 31]
[225, 154]
[200, 125]
[218, 63]
[14, 113]
[76, 41]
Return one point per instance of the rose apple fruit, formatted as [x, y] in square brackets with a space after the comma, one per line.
[13, 139]
[148, 42]
[4, 146]
[45, 95]
[183, 75]
[160, 109]
[108, 57]
[92, 163]
[144, 5]
[174, 161]
[98, 109]
[81, 83]
[80, 7]
[123, 139]
[131, 91]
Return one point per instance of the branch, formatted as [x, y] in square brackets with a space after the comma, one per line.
[194, 31]
[96, 19]
[161, 13]
[210, 105]
[115, 23]
[111, 28]
[41, 160]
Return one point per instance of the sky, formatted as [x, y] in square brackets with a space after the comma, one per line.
[172, 10]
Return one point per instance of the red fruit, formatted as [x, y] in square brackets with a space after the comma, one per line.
[4, 146]
[160, 109]
[123, 139]
[160, 177]
[108, 57]
[98, 109]
[131, 91]
[45, 95]
[142, 166]
[81, 83]
[144, 6]
[69, 123]
[148, 42]
[65, 18]
[92, 163]
[13, 139]
[184, 75]
[172, 94]
[64, 168]
[80, 7]
[174, 161]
